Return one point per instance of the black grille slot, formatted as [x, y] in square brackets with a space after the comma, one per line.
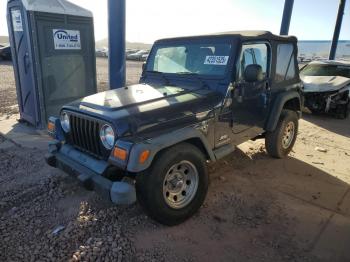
[85, 135]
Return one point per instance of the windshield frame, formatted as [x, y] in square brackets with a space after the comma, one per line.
[233, 41]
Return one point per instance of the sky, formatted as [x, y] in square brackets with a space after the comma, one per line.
[153, 19]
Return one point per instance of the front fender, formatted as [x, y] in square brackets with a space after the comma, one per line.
[155, 145]
[277, 107]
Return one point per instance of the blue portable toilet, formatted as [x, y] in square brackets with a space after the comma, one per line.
[53, 49]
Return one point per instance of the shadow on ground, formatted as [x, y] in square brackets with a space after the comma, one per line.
[5, 62]
[338, 126]
[24, 134]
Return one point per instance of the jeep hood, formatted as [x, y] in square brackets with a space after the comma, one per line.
[144, 107]
[324, 83]
[135, 95]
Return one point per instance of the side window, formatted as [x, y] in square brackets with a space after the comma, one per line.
[253, 54]
[285, 65]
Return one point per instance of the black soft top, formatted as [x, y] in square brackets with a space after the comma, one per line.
[243, 35]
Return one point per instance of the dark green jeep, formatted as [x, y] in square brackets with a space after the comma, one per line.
[198, 98]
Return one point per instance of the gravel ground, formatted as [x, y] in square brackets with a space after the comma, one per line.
[8, 97]
[36, 200]
[249, 214]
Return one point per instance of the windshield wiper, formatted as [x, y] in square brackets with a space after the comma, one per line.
[204, 84]
[166, 80]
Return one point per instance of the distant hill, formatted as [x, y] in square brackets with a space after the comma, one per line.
[4, 39]
[99, 44]
[104, 43]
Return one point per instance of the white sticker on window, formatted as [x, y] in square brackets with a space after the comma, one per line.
[66, 39]
[17, 20]
[216, 60]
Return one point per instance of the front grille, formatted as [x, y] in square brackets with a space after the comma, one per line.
[85, 135]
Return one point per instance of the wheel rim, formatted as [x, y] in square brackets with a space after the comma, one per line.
[288, 135]
[180, 184]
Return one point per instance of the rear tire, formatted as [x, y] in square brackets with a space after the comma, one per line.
[342, 111]
[175, 186]
[280, 142]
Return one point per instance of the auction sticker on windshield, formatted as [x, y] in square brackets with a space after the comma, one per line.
[66, 39]
[216, 60]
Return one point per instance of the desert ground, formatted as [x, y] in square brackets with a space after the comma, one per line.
[257, 208]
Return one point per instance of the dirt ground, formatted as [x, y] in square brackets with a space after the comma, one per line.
[257, 208]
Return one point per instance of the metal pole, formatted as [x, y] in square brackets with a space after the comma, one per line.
[287, 14]
[116, 43]
[337, 28]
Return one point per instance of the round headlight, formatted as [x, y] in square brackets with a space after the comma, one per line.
[107, 136]
[65, 122]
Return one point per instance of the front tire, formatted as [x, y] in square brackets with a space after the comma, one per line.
[280, 142]
[175, 186]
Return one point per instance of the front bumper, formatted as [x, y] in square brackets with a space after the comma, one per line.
[90, 172]
[326, 101]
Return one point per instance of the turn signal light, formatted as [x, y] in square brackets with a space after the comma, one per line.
[144, 156]
[51, 127]
[120, 153]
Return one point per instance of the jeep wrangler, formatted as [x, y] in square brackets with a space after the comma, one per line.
[198, 97]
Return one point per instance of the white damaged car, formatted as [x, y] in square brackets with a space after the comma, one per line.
[327, 87]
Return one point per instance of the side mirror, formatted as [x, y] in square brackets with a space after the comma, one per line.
[253, 73]
[143, 66]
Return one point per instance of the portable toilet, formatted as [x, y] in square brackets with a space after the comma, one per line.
[53, 49]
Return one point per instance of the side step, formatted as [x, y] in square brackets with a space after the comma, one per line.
[223, 151]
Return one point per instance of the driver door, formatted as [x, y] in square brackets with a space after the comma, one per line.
[250, 100]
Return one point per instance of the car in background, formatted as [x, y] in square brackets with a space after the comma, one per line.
[5, 52]
[327, 87]
[101, 52]
[137, 56]
[129, 51]
[144, 57]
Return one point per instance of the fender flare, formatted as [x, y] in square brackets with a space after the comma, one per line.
[155, 145]
[277, 107]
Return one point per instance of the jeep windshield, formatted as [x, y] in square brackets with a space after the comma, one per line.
[209, 59]
[326, 70]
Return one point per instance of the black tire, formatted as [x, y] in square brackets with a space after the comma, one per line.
[342, 111]
[149, 184]
[273, 140]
